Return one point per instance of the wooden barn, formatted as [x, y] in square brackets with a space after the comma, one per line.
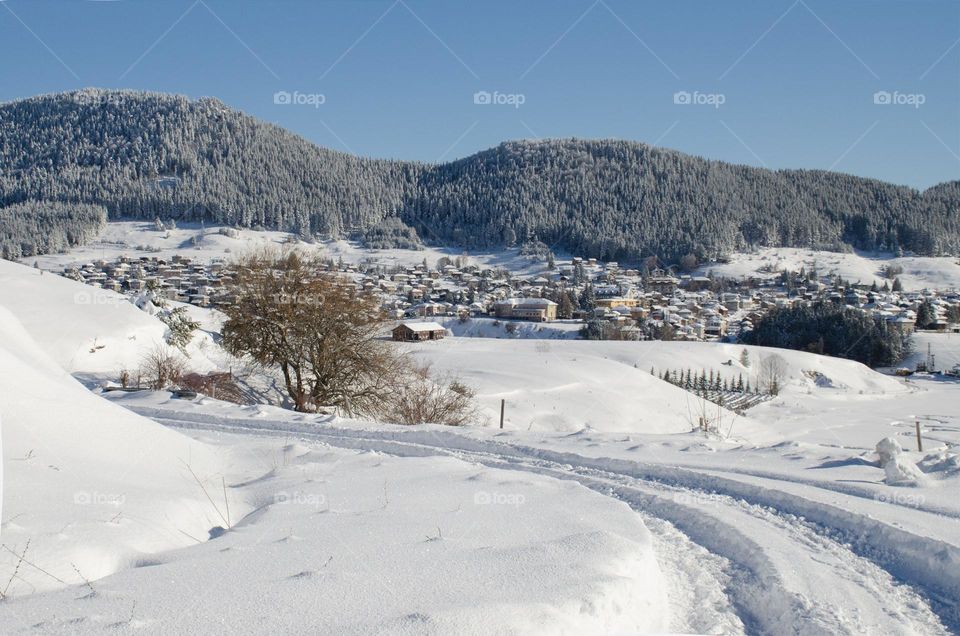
[417, 331]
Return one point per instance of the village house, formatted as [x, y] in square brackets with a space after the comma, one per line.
[538, 309]
[418, 331]
[662, 283]
[613, 303]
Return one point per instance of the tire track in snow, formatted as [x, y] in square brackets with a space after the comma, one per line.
[756, 586]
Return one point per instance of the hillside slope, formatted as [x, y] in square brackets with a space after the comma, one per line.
[570, 385]
[148, 155]
[89, 487]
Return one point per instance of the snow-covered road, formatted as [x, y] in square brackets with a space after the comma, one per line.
[785, 562]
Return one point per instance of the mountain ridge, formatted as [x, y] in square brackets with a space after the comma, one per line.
[148, 155]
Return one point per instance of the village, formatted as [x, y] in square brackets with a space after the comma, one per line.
[653, 303]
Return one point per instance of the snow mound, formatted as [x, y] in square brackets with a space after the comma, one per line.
[942, 464]
[900, 471]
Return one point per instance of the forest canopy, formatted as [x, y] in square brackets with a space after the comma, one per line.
[149, 155]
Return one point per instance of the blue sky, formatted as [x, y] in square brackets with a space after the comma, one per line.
[776, 83]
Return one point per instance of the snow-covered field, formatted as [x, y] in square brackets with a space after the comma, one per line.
[597, 509]
[205, 243]
[919, 272]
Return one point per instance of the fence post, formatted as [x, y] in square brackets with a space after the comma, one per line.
[503, 404]
[919, 439]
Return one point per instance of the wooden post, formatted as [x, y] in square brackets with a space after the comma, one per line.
[503, 404]
[919, 439]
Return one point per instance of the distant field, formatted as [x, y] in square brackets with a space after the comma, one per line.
[919, 272]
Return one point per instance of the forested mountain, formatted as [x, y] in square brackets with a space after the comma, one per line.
[146, 155]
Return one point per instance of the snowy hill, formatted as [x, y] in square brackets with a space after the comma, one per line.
[919, 272]
[82, 328]
[89, 487]
[87, 330]
[566, 385]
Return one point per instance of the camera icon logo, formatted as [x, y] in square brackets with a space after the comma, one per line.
[282, 97]
[682, 97]
[882, 97]
[482, 97]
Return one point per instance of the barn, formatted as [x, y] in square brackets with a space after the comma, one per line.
[417, 331]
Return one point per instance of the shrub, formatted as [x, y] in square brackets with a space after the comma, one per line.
[420, 398]
[162, 367]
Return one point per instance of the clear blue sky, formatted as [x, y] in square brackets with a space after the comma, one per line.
[797, 79]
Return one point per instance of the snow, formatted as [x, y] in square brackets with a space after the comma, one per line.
[90, 488]
[481, 327]
[104, 508]
[597, 509]
[919, 272]
[359, 542]
[761, 510]
[568, 385]
[900, 471]
[206, 243]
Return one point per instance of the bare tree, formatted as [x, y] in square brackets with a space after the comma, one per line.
[162, 367]
[771, 373]
[319, 329]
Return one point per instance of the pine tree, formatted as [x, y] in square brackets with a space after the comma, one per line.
[926, 316]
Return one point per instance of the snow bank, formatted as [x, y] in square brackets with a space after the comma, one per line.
[359, 542]
[79, 326]
[89, 487]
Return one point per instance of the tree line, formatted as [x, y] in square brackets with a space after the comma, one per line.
[44, 227]
[834, 330]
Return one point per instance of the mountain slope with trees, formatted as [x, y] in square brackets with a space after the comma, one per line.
[149, 155]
